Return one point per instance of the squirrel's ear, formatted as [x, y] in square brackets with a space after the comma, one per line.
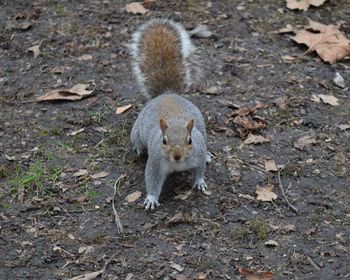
[163, 125]
[190, 125]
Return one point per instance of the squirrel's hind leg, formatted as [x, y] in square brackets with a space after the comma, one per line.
[136, 142]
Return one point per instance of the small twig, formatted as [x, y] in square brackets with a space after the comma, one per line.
[116, 216]
[312, 263]
[282, 190]
[108, 262]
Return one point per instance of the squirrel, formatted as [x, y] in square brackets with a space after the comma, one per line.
[170, 128]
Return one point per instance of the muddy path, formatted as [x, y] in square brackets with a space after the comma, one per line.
[56, 223]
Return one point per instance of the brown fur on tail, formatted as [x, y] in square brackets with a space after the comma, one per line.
[162, 57]
[162, 64]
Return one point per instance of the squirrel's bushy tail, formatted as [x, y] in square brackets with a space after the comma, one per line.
[163, 57]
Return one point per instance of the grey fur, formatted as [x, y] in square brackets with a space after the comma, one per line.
[146, 135]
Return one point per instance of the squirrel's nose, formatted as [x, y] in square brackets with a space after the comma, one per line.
[177, 157]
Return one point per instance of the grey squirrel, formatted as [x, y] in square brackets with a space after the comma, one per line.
[170, 128]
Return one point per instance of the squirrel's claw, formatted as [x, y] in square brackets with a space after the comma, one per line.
[208, 157]
[151, 202]
[200, 185]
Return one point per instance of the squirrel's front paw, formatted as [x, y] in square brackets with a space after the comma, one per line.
[151, 202]
[200, 184]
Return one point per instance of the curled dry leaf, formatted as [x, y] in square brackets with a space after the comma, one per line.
[304, 4]
[329, 43]
[73, 133]
[123, 109]
[136, 8]
[77, 92]
[133, 196]
[255, 274]
[177, 267]
[80, 172]
[35, 50]
[255, 139]
[88, 276]
[98, 175]
[265, 193]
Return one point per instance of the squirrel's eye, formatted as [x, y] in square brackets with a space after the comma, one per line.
[190, 141]
[164, 141]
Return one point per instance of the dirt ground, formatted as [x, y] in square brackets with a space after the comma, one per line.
[55, 224]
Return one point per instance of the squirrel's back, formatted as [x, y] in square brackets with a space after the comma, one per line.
[163, 57]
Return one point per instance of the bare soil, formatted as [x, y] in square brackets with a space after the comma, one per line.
[54, 225]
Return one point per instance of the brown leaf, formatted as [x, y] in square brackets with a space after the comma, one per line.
[177, 218]
[265, 193]
[80, 172]
[304, 4]
[270, 165]
[255, 139]
[98, 175]
[255, 275]
[132, 197]
[123, 109]
[136, 8]
[329, 43]
[77, 92]
[306, 140]
[35, 50]
[327, 99]
[82, 198]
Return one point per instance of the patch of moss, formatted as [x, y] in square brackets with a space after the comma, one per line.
[259, 227]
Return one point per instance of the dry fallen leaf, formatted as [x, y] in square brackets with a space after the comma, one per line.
[80, 172]
[327, 99]
[255, 139]
[177, 218]
[265, 193]
[270, 165]
[306, 140]
[77, 92]
[329, 43]
[303, 4]
[35, 50]
[255, 275]
[123, 109]
[88, 276]
[98, 175]
[183, 195]
[133, 196]
[136, 8]
[73, 133]
[177, 267]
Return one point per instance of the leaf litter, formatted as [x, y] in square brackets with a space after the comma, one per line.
[327, 40]
[251, 274]
[304, 4]
[76, 92]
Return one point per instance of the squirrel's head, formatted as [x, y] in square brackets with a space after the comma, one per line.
[177, 141]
